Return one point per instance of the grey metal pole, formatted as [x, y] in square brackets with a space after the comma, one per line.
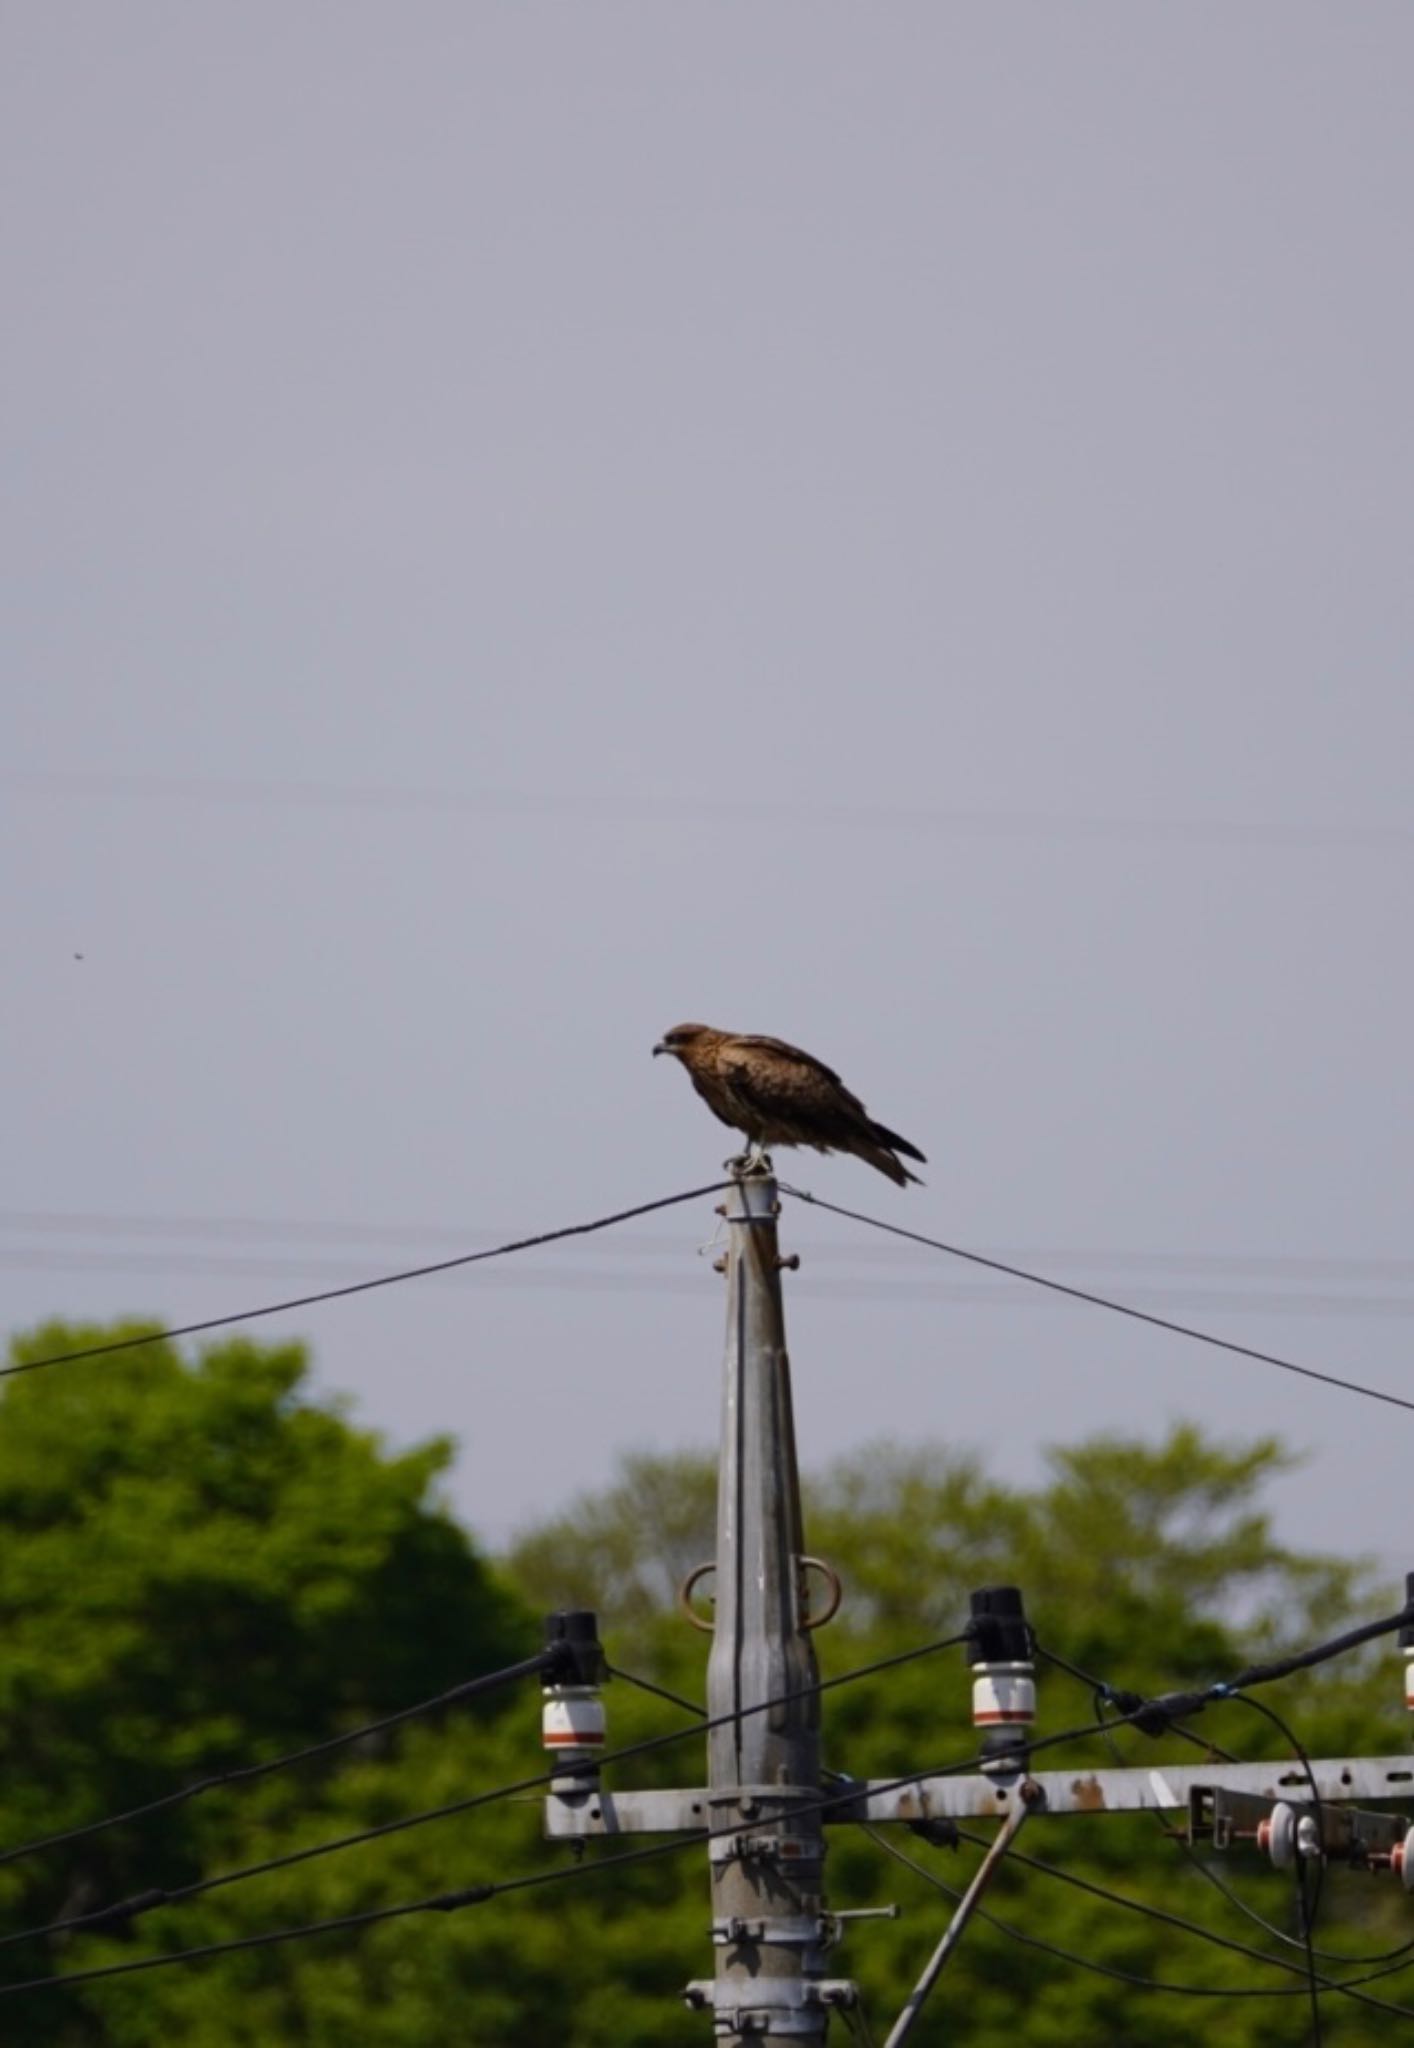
[769, 1926]
[986, 1870]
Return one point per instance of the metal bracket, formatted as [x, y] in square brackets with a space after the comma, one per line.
[1347, 1834]
[1158, 1789]
[817, 1932]
[776, 2007]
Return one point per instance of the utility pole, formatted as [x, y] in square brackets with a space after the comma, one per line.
[769, 1926]
[763, 1810]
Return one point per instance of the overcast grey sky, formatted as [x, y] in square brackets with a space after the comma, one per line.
[887, 526]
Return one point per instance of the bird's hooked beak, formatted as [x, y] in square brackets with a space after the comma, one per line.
[661, 1046]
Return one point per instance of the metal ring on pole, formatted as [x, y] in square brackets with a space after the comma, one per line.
[685, 1592]
[832, 1605]
[834, 1596]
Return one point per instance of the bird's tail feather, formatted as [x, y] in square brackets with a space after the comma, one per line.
[879, 1156]
[881, 1135]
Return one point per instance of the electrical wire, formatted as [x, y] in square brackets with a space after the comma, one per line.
[274, 1308]
[662, 1692]
[1080, 1962]
[623, 807]
[244, 1774]
[452, 1901]
[439, 1902]
[1270, 1928]
[173, 1265]
[857, 2022]
[1102, 1692]
[1156, 1715]
[1348, 1985]
[147, 1901]
[1121, 1308]
[1211, 1266]
[123, 1911]
[1307, 1903]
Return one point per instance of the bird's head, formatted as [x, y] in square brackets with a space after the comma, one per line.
[682, 1038]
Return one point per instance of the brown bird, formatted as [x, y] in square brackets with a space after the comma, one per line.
[779, 1095]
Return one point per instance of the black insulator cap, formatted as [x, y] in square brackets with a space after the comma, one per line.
[573, 1635]
[1406, 1634]
[999, 1630]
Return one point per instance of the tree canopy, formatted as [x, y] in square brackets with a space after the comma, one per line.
[202, 1564]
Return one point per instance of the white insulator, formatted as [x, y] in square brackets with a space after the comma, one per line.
[572, 1723]
[1409, 1678]
[1285, 1835]
[1003, 1695]
[1401, 1861]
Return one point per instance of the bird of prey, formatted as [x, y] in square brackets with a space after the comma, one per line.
[779, 1095]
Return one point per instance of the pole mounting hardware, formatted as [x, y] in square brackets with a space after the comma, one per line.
[834, 1594]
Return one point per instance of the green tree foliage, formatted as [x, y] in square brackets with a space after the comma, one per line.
[200, 1565]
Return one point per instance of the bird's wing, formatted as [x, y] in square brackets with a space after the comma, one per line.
[788, 1084]
[754, 1042]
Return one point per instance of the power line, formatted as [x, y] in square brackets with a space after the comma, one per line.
[1241, 1948]
[1104, 1693]
[1307, 1901]
[662, 1692]
[1270, 1928]
[1152, 1716]
[147, 1901]
[624, 808]
[223, 1265]
[1121, 1308]
[1156, 1715]
[439, 1902]
[1103, 1690]
[125, 1910]
[1130, 1977]
[244, 1774]
[274, 1308]
[303, 1229]
[452, 1901]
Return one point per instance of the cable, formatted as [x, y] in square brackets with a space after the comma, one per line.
[1155, 1715]
[857, 2024]
[439, 1902]
[1080, 1962]
[123, 1911]
[453, 1901]
[674, 1699]
[1120, 1308]
[1270, 1928]
[982, 1294]
[1241, 1948]
[147, 1901]
[275, 1308]
[1103, 1694]
[1307, 1904]
[308, 1230]
[714, 811]
[245, 1773]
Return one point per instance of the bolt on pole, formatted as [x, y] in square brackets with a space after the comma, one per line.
[769, 1925]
